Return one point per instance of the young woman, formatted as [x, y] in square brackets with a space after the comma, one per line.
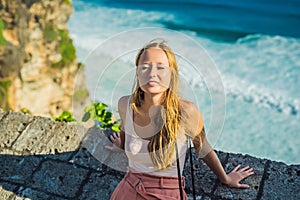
[156, 123]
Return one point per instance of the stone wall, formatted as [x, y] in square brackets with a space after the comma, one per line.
[43, 159]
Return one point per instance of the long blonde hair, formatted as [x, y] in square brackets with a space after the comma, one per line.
[162, 145]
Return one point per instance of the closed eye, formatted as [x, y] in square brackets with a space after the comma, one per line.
[144, 66]
[161, 67]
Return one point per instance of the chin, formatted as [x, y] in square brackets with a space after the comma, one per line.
[154, 90]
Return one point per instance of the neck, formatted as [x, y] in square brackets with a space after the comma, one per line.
[151, 100]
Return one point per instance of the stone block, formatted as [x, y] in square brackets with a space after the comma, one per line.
[12, 126]
[205, 179]
[95, 142]
[29, 193]
[84, 158]
[2, 113]
[59, 178]
[7, 152]
[258, 165]
[100, 186]
[65, 139]
[17, 169]
[6, 190]
[281, 182]
[36, 135]
[64, 156]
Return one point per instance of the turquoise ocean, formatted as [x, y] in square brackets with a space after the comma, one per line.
[255, 45]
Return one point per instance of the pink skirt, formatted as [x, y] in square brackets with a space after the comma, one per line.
[141, 186]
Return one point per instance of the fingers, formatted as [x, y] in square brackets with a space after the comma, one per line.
[238, 174]
[247, 168]
[236, 168]
[244, 170]
[243, 186]
[111, 148]
[115, 136]
[116, 140]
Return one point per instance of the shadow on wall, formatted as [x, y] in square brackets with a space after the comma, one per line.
[76, 174]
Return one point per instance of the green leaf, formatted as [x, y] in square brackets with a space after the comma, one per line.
[88, 108]
[115, 128]
[65, 116]
[97, 112]
[86, 117]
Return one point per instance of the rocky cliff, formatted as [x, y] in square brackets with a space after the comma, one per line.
[37, 58]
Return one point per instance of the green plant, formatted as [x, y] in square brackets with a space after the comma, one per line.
[65, 116]
[25, 111]
[2, 39]
[68, 51]
[50, 32]
[4, 86]
[80, 65]
[68, 2]
[104, 120]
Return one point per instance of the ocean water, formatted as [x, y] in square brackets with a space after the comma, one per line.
[254, 44]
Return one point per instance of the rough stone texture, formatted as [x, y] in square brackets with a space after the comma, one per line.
[6, 190]
[12, 125]
[23, 193]
[35, 136]
[67, 139]
[17, 169]
[91, 189]
[31, 168]
[51, 178]
[277, 177]
[36, 35]
[2, 114]
[95, 142]
[84, 158]
[254, 181]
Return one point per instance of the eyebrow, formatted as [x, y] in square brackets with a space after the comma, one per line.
[159, 63]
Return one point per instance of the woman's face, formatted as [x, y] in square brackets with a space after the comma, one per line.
[153, 71]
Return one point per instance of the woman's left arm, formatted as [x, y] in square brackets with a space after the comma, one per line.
[208, 155]
[234, 177]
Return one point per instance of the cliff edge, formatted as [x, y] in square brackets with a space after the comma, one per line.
[38, 62]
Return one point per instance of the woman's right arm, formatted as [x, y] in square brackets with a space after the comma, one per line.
[118, 139]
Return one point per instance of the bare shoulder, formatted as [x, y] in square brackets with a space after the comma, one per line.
[193, 121]
[123, 100]
[190, 108]
[122, 104]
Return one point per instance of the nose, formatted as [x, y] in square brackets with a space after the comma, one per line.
[153, 71]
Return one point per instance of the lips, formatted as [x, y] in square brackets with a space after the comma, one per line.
[153, 83]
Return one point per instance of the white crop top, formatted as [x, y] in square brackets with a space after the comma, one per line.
[136, 149]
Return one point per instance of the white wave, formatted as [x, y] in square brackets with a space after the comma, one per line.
[90, 25]
[255, 94]
[261, 70]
